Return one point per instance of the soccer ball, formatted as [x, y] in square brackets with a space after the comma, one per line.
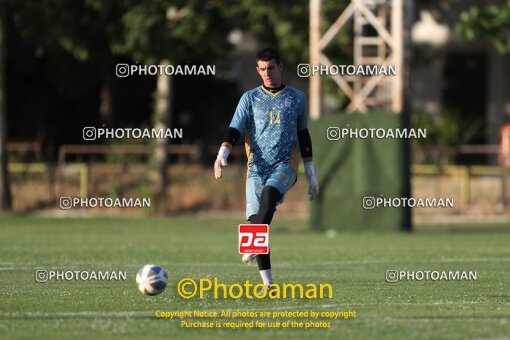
[151, 279]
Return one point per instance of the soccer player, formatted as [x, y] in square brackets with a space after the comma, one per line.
[274, 119]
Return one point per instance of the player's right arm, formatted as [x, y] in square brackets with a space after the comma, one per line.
[221, 159]
[234, 132]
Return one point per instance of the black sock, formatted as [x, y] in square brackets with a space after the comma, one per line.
[264, 261]
[269, 197]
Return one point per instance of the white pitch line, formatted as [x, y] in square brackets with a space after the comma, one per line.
[431, 319]
[476, 259]
[332, 263]
[77, 314]
[327, 263]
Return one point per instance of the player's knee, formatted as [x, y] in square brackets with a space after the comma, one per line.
[270, 197]
[268, 200]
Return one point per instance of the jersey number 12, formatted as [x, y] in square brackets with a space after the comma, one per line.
[274, 117]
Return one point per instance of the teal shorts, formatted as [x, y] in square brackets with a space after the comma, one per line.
[282, 178]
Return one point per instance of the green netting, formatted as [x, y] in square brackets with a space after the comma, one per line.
[350, 169]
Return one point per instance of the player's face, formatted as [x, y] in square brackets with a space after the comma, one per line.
[270, 72]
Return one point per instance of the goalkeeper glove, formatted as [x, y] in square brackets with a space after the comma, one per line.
[313, 184]
[221, 161]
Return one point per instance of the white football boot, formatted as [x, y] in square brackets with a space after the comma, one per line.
[270, 290]
[248, 258]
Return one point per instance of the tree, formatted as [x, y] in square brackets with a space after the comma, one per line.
[162, 118]
[5, 192]
[168, 32]
[145, 32]
[285, 25]
[491, 22]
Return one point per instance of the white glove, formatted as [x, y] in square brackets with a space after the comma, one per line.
[313, 184]
[221, 161]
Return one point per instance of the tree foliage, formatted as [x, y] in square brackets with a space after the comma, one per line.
[146, 31]
[285, 25]
[491, 22]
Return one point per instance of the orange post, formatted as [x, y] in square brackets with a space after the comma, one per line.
[504, 160]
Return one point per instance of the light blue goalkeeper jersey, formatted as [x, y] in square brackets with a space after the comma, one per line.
[271, 122]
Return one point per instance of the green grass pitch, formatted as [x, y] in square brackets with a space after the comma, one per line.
[355, 264]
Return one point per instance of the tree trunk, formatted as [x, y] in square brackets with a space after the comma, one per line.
[105, 105]
[162, 119]
[5, 192]
[106, 97]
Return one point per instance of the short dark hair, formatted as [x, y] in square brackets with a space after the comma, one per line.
[267, 54]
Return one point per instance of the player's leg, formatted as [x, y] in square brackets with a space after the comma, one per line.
[272, 194]
[253, 193]
[265, 202]
[269, 198]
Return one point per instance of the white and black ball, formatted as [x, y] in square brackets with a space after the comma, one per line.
[151, 279]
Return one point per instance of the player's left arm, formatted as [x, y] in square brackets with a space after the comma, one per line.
[305, 146]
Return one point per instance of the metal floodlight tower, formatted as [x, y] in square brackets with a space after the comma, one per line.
[379, 39]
